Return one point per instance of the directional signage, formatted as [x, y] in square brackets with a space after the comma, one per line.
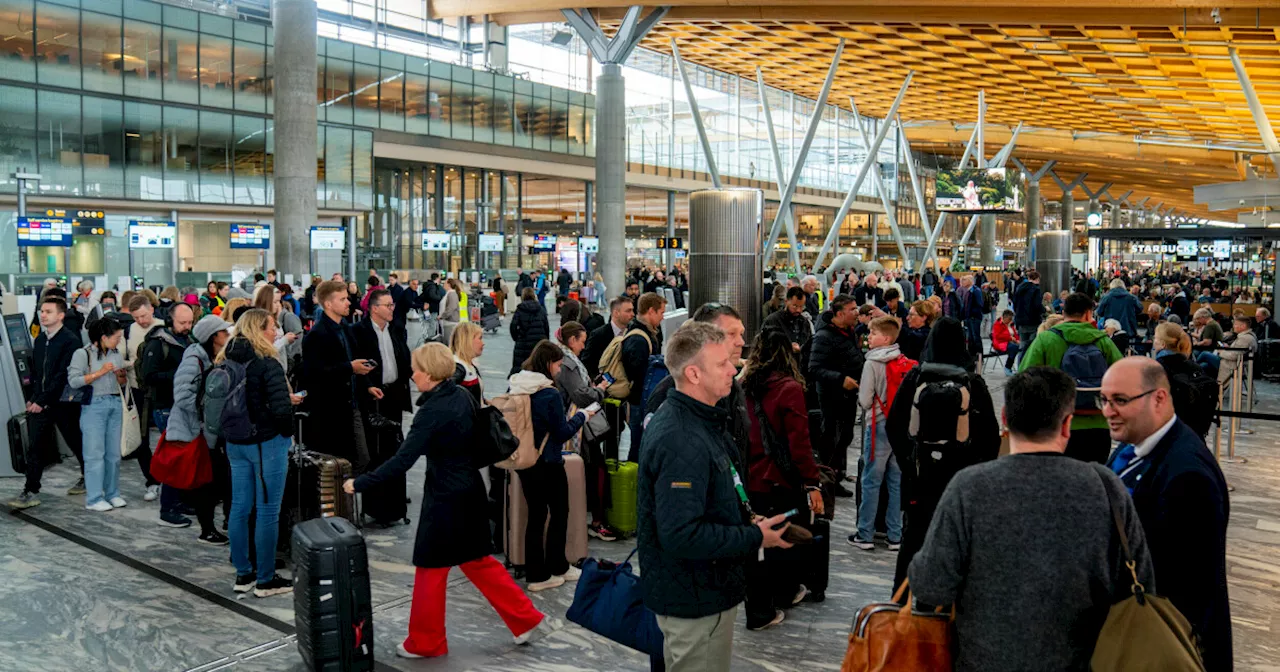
[251, 236]
[45, 231]
[435, 241]
[148, 235]
[328, 237]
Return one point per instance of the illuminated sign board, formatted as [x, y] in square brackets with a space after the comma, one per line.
[435, 241]
[328, 238]
[149, 235]
[1219, 249]
[250, 236]
[45, 231]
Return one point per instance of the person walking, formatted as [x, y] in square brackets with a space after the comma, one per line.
[259, 465]
[1179, 493]
[100, 368]
[453, 527]
[545, 485]
[467, 346]
[835, 367]
[696, 530]
[529, 326]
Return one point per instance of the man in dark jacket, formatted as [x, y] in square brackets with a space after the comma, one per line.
[791, 319]
[433, 294]
[869, 292]
[161, 355]
[1119, 305]
[928, 282]
[408, 300]
[835, 367]
[563, 282]
[528, 326]
[52, 356]
[695, 535]
[643, 339]
[621, 311]
[336, 379]
[632, 292]
[522, 280]
[380, 340]
[1028, 309]
[1180, 495]
[1181, 306]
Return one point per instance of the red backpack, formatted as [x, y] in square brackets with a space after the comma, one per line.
[894, 372]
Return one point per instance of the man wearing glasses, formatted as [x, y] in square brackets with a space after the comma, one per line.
[1180, 495]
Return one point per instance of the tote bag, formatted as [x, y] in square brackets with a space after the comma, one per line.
[184, 466]
[130, 433]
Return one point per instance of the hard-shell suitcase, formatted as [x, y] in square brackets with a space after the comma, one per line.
[312, 489]
[333, 607]
[491, 323]
[624, 481]
[816, 557]
[18, 440]
[385, 504]
[517, 514]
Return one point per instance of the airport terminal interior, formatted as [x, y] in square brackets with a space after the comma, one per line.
[178, 143]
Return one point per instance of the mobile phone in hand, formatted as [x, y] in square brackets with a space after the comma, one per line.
[593, 408]
[371, 363]
[608, 378]
[301, 393]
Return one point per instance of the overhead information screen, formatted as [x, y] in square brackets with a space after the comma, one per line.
[491, 242]
[250, 236]
[588, 244]
[542, 243]
[152, 235]
[328, 238]
[45, 231]
[435, 241]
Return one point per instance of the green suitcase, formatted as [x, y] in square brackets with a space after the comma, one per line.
[624, 478]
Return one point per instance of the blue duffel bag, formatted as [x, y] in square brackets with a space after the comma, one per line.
[608, 603]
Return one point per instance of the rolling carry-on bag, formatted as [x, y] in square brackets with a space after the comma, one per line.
[333, 607]
[624, 480]
[385, 504]
[18, 439]
[517, 515]
[816, 557]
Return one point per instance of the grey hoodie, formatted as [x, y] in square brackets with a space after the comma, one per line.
[874, 384]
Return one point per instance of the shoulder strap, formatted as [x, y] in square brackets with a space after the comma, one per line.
[1118, 522]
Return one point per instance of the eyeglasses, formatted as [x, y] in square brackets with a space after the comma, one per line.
[1118, 402]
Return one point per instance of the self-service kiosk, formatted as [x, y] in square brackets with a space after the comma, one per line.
[15, 383]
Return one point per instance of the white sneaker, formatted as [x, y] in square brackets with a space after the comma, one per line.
[527, 637]
[553, 582]
[404, 653]
[153, 492]
[100, 506]
[572, 574]
[118, 502]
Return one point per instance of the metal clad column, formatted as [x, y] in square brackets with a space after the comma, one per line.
[294, 94]
[987, 240]
[1068, 215]
[724, 251]
[670, 259]
[1053, 260]
[611, 188]
[1032, 217]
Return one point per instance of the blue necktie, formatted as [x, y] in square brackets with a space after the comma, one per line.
[1123, 457]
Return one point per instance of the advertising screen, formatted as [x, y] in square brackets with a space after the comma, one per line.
[328, 237]
[44, 231]
[1221, 249]
[435, 241]
[588, 244]
[543, 243]
[976, 190]
[250, 236]
[1187, 250]
[491, 242]
[146, 235]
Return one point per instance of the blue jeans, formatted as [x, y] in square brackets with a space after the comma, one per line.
[880, 468]
[100, 426]
[257, 477]
[636, 419]
[927, 290]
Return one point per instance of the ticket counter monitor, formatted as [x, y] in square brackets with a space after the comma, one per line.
[15, 380]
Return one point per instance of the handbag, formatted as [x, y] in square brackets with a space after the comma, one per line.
[184, 465]
[1143, 631]
[608, 602]
[82, 395]
[130, 432]
[891, 636]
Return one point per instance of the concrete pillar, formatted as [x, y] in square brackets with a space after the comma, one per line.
[611, 188]
[874, 227]
[1115, 215]
[1068, 211]
[589, 206]
[670, 256]
[987, 239]
[294, 93]
[1032, 217]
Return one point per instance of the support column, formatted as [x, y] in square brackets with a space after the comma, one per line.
[874, 227]
[350, 223]
[611, 188]
[987, 240]
[294, 92]
[1032, 217]
[1068, 211]
[589, 208]
[671, 229]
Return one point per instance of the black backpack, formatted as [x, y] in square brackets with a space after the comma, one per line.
[1195, 395]
[939, 428]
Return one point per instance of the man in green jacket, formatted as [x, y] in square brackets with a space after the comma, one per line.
[1090, 438]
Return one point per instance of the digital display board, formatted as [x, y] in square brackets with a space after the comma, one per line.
[976, 190]
[250, 236]
[670, 243]
[491, 242]
[45, 231]
[543, 243]
[588, 244]
[1186, 250]
[435, 241]
[148, 235]
[328, 237]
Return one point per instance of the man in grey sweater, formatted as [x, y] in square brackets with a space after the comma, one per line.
[1025, 546]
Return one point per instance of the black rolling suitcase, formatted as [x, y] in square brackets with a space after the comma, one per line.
[333, 608]
[18, 439]
[386, 504]
[816, 557]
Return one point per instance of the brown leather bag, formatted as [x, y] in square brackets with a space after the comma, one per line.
[888, 636]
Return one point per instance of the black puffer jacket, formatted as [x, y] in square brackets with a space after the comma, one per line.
[528, 326]
[266, 392]
[834, 354]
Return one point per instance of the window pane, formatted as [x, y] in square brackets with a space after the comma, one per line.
[523, 119]
[559, 127]
[460, 112]
[58, 142]
[438, 105]
[103, 59]
[58, 40]
[250, 161]
[142, 59]
[482, 114]
[337, 167]
[216, 158]
[181, 126]
[17, 46]
[366, 95]
[577, 130]
[250, 76]
[17, 135]
[391, 99]
[416, 111]
[362, 163]
[504, 130]
[103, 148]
[336, 103]
[144, 151]
[542, 123]
[181, 70]
[215, 71]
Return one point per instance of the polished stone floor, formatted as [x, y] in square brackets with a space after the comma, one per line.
[116, 591]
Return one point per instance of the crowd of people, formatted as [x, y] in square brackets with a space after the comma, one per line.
[742, 440]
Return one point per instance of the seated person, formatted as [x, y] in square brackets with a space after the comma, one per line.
[1004, 340]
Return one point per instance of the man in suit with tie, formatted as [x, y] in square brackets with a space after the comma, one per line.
[1180, 495]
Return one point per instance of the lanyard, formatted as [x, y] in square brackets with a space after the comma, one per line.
[742, 492]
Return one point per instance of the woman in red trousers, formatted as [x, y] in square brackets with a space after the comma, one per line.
[453, 528]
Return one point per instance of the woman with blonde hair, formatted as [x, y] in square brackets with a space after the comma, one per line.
[467, 344]
[260, 463]
[229, 310]
[453, 529]
[1171, 346]
[267, 297]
